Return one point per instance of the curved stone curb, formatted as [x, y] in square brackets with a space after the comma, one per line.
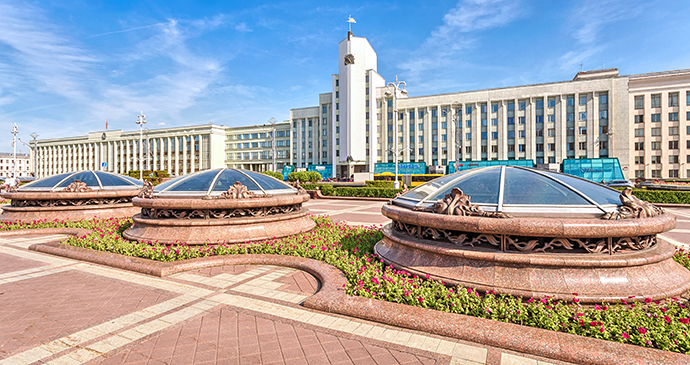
[57, 230]
[331, 298]
[321, 196]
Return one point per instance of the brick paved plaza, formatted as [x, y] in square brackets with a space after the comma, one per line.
[61, 311]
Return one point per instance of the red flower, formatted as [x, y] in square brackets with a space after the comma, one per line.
[625, 335]
[642, 330]
[685, 320]
[647, 300]
[421, 299]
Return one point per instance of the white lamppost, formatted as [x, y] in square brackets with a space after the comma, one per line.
[396, 89]
[141, 120]
[14, 145]
[455, 113]
[273, 122]
[34, 136]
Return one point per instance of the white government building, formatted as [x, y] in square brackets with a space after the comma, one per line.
[643, 120]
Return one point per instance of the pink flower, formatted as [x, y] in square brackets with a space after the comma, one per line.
[685, 320]
[625, 335]
[421, 299]
[647, 300]
[642, 330]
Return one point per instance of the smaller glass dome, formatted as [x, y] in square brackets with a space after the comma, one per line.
[519, 191]
[217, 181]
[96, 180]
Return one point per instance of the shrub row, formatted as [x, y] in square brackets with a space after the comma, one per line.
[277, 175]
[366, 192]
[154, 177]
[380, 184]
[312, 176]
[663, 196]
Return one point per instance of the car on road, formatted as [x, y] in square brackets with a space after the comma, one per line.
[620, 184]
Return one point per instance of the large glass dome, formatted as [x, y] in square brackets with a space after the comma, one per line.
[520, 192]
[215, 182]
[96, 180]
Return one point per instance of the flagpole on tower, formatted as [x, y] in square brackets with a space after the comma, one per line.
[350, 20]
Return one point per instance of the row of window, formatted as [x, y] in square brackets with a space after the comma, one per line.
[655, 100]
[639, 160]
[672, 117]
[264, 135]
[656, 145]
[657, 173]
[672, 131]
[264, 144]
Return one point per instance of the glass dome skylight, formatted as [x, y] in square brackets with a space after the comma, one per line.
[96, 180]
[519, 191]
[215, 182]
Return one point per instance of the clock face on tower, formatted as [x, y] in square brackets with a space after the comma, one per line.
[349, 59]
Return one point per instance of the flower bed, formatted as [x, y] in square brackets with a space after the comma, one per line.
[662, 324]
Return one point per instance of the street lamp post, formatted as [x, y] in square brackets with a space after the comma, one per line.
[396, 88]
[141, 120]
[455, 113]
[273, 122]
[34, 136]
[14, 145]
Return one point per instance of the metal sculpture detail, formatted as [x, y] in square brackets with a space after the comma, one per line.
[76, 187]
[508, 243]
[218, 213]
[146, 191]
[237, 191]
[458, 203]
[70, 202]
[633, 207]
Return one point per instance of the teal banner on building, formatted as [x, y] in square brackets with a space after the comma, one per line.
[466, 165]
[593, 169]
[404, 168]
[326, 171]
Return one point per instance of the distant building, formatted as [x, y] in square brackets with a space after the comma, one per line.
[7, 165]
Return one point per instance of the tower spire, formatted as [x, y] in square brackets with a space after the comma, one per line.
[350, 20]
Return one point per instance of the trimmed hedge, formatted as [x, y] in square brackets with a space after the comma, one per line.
[366, 192]
[325, 188]
[663, 196]
[312, 176]
[277, 175]
[380, 184]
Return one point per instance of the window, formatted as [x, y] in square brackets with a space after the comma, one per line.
[639, 102]
[672, 131]
[540, 104]
[656, 146]
[656, 101]
[444, 137]
[639, 132]
[552, 147]
[521, 134]
[603, 114]
[521, 120]
[551, 118]
[483, 122]
[639, 160]
[511, 148]
[656, 173]
[494, 121]
[511, 134]
[551, 102]
[434, 138]
[540, 133]
[483, 149]
[411, 127]
[468, 109]
[468, 123]
[687, 98]
[656, 117]
[468, 135]
[687, 116]
[511, 120]
[656, 131]
[551, 132]
[420, 126]
[570, 146]
[570, 101]
[421, 151]
[639, 146]
[421, 139]
[522, 105]
[603, 129]
[672, 173]
[672, 145]
[511, 107]
[434, 125]
[540, 147]
[672, 99]
[325, 143]
[655, 159]
[539, 119]
[583, 99]
[583, 116]
[672, 159]
[421, 114]
[483, 108]
[494, 108]
[494, 149]
[570, 117]
[468, 149]
[521, 148]
[583, 146]
[444, 125]
[639, 119]
[494, 135]
[583, 130]
[603, 98]
[603, 145]
[411, 139]
[672, 117]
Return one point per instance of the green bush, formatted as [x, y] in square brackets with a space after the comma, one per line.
[327, 190]
[366, 192]
[312, 176]
[380, 184]
[277, 175]
[663, 196]
[161, 173]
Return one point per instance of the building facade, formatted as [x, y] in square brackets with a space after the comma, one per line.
[24, 168]
[659, 106]
[252, 147]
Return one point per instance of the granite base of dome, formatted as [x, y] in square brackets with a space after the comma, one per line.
[596, 278]
[229, 230]
[74, 213]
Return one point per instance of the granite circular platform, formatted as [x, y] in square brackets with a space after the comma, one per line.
[73, 196]
[220, 205]
[533, 233]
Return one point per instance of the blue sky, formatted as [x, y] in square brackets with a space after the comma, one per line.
[67, 66]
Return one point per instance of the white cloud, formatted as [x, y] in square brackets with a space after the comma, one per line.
[588, 19]
[242, 27]
[161, 124]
